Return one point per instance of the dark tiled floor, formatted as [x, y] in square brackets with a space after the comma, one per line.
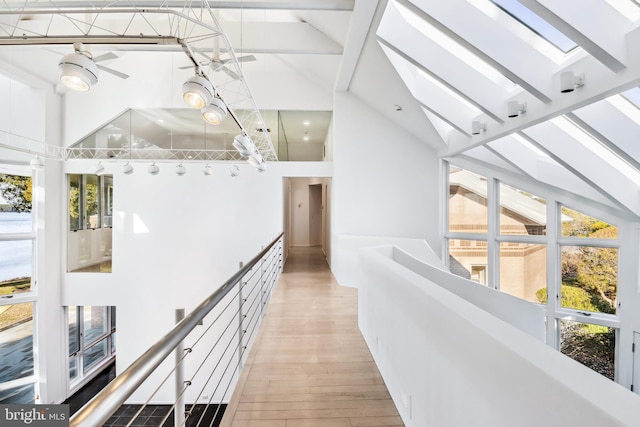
[151, 415]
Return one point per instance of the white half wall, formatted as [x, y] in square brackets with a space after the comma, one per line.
[385, 183]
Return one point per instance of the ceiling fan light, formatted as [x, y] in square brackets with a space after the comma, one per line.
[197, 92]
[244, 145]
[215, 112]
[78, 72]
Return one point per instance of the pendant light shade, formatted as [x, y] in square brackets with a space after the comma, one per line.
[78, 71]
[197, 92]
[215, 112]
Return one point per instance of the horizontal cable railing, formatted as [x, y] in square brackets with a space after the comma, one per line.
[207, 363]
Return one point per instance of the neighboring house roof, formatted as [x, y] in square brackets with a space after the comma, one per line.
[510, 198]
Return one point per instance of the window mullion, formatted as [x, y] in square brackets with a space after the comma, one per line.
[553, 274]
[493, 227]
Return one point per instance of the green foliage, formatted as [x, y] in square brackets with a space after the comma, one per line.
[572, 297]
[584, 225]
[17, 191]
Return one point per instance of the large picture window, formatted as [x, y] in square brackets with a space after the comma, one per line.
[17, 297]
[580, 297]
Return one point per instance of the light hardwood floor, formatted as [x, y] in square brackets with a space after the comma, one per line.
[310, 366]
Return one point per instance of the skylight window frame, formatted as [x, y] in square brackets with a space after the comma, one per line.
[591, 143]
[630, 9]
[535, 31]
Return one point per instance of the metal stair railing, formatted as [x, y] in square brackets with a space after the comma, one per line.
[232, 315]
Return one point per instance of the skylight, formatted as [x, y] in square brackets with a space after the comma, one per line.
[455, 48]
[536, 24]
[593, 145]
[633, 96]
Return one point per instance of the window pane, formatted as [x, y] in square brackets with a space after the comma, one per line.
[16, 196]
[16, 341]
[467, 201]
[14, 222]
[74, 331]
[468, 259]
[107, 195]
[94, 354]
[522, 213]
[523, 270]
[22, 394]
[75, 202]
[590, 278]
[73, 367]
[95, 323]
[592, 345]
[15, 266]
[92, 202]
[576, 224]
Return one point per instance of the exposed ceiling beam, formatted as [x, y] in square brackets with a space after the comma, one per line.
[332, 5]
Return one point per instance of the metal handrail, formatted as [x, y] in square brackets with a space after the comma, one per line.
[99, 409]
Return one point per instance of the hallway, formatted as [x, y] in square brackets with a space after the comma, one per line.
[310, 365]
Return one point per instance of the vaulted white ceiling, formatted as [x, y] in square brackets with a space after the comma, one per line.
[465, 60]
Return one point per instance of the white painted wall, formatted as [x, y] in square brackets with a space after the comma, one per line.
[176, 238]
[439, 354]
[385, 183]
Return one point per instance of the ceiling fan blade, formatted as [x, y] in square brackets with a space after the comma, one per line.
[247, 58]
[105, 57]
[231, 73]
[112, 71]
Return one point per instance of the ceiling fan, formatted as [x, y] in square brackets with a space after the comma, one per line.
[79, 70]
[215, 63]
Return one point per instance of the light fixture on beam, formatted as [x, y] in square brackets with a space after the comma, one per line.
[215, 112]
[153, 169]
[244, 145]
[514, 108]
[37, 164]
[569, 81]
[99, 169]
[78, 71]
[477, 127]
[127, 169]
[197, 92]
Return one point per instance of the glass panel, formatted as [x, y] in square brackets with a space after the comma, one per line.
[14, 222]
[590, 278]
[633, 96]
[94, 354]
[592, 345]
[92, 202]
[522, 213]
[75, 202]
[467, 201]
[576, 224]
[107, 195]
[468, 259]
[74, 331]
[22, 394]
[15, 197]
[536, 24]
[94, 322]
[73, 367]
[16, 341]
[16, 259]
[523, 271]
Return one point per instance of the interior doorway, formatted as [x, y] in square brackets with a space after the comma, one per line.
[307, 212]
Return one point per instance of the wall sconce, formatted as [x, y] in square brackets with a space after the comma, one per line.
[477, 127]
[153, 169]
[180, 170]
[127, 169]
[514, 108]
[569, 81]
[99, 169]
[37, 164]
[207, 170]
[234, 170]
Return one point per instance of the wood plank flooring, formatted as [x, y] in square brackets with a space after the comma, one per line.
[310, 366]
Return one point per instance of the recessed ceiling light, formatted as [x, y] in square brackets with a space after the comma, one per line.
[306, 138]
[306, 123]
